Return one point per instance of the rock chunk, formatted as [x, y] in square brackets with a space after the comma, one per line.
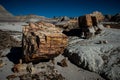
[89, 25]
[85, 21]
[42, 41]
[1, 63]
[63, 63]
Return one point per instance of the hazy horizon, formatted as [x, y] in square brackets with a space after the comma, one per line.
[50, 8]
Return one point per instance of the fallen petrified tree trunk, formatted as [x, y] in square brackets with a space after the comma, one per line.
[42, 41]
[85, 21]
[89, 25]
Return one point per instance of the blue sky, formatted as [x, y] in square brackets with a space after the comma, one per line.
[50, 8]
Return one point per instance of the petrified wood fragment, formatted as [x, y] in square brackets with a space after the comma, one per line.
[42, 41]
[85, 21]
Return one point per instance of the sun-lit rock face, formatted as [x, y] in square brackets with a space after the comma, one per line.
[85, 21]
[89, 24]
[43, 41]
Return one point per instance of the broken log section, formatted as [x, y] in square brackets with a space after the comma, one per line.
[42, 41]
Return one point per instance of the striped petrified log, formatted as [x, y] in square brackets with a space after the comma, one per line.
[85, 21]
[42, 41]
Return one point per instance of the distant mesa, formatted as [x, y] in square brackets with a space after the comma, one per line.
[6, 16]
[31, 18]
[4, 12]
[116, 18]
[65, 18]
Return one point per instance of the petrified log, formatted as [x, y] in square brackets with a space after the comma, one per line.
[94, 20]
[85, 21]
[89, 25]
[86, 24]
[42, 41]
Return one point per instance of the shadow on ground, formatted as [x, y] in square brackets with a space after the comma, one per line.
[73, 32]
[15, 54]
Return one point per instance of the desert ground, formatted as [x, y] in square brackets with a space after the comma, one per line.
[11, 35]
[88, 46]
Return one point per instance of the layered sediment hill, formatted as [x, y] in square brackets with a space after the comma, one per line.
[6, 16]
[31, 18]
[4, 12]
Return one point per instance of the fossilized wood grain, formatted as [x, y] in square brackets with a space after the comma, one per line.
[43, 41]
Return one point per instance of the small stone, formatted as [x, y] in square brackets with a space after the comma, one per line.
[105, 41]
[63, 63]
[20, 67]
[100, 42]
[1, 63]
[107, 26]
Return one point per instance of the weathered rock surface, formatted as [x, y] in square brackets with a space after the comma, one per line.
[100, 58]
[6, 40]
[43, 41]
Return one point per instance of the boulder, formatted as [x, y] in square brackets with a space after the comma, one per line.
[105, 63]
[42, 41]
